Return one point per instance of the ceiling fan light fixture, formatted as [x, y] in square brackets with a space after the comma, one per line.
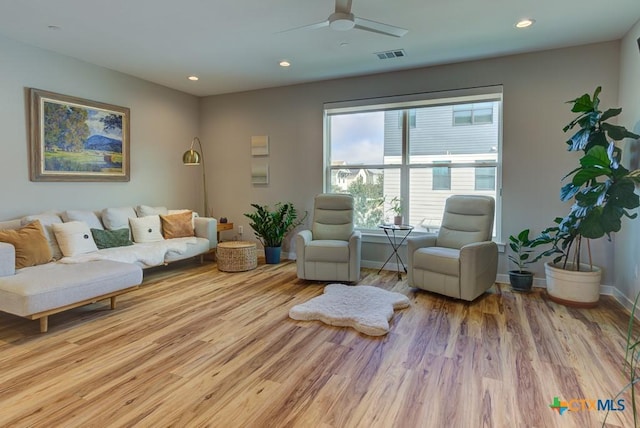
[341, 21]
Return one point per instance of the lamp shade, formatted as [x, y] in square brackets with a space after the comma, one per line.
[191, 157]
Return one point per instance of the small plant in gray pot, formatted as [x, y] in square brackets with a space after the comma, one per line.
[521, 279]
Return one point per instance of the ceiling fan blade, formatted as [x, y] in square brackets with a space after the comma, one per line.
[343, 6]
[307, 27]
[379, 27]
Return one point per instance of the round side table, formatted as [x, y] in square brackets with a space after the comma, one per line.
[236, 256]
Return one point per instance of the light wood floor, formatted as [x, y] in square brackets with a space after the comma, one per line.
[194, 347]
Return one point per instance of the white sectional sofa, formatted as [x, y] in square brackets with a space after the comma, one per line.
[51, 262]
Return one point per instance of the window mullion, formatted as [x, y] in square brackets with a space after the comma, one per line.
[404, 166]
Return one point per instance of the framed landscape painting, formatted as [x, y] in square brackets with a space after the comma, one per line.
[72, 139]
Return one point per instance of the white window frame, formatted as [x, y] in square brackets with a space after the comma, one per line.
[458, 96]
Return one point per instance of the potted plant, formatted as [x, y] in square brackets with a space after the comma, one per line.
[271, 226]
[396, 207]
[601, 191]
[521, 279]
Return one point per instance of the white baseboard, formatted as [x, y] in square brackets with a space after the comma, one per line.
[605, 290]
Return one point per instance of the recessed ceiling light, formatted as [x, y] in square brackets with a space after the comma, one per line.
[193, 78]
[525, 23]
[285, 63]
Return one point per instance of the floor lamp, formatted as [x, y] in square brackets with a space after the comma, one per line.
[193, 157]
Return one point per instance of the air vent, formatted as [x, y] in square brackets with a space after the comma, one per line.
[397, 53]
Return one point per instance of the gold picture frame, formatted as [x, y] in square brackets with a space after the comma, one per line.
[73, 139]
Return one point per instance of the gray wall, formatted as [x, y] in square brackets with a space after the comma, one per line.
[627, 242]
[163, 122]
[536, 87]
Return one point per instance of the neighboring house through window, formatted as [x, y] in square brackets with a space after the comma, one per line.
[485, 178]
[472, 114]
[441, 176]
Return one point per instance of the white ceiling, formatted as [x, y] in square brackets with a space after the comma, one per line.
[235, 45]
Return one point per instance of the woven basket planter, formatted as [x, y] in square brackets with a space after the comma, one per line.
[236, 256]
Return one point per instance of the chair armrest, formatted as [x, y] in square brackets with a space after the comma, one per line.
[478, 249]
[7, 259]
[355, 255]
[207, 227]
[415, 242]
[303, 237]
[355, 242]
[478, 268]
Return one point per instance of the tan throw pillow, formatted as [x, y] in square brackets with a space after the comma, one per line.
[193, 214]
[146, 229]
[177, 225]
[30, 243]
[46, 220]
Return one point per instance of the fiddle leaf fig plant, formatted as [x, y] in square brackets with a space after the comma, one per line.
[602, 190]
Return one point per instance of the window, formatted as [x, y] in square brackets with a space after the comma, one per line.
[473, 114]
[441, 177]
[485, 178]
[408, 147]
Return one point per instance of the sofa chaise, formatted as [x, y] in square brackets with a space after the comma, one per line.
[52, 262]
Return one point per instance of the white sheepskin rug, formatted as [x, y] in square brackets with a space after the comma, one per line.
[367, 309]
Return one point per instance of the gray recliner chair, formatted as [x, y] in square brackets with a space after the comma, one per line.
[330, 251]
[462, 260]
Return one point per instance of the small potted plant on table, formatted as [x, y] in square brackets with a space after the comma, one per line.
[396, 207]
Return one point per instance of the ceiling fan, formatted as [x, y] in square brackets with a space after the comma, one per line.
[343, 19]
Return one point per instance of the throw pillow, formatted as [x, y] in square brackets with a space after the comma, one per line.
[30, 243]
[46, 220]
[177, 225]
[111, 238]
[117, 218]
[193, 214]
[74, 238]
[146, 229]
[145, 210]
[88, 217]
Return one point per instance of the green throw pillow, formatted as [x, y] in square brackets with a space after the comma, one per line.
[111, 238]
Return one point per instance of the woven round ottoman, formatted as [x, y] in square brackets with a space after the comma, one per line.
[236, 256]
